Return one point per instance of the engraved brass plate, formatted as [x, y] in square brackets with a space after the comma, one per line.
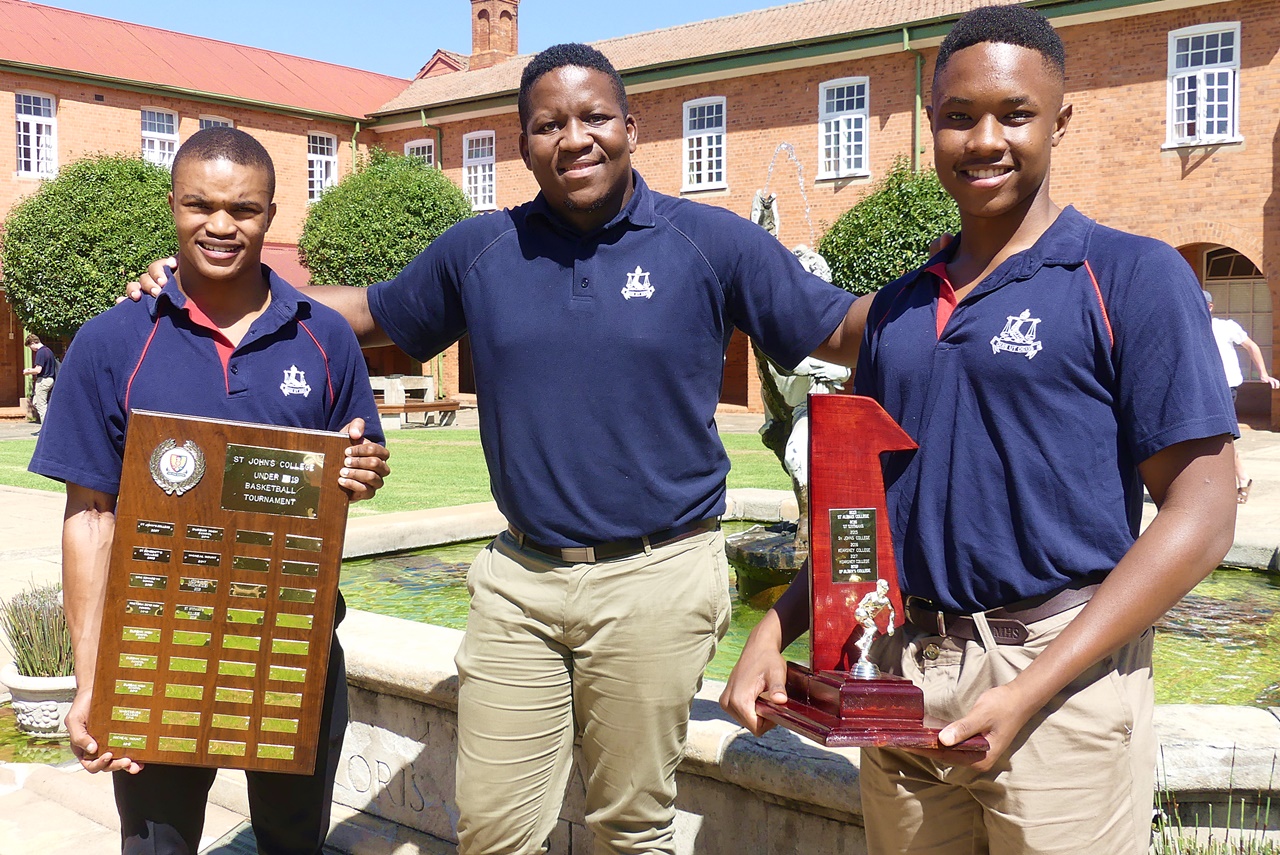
[180, 718]
[306, 544]
[272, 481]
[201, 559]
[142, 607]
[233, 696]
[160, 529]
[241, 642]
[230, 749]
[248, 591]
[298, 595]
[231, 722]
[289, 620]
[288, 675]
[280, 725]
[253, 565]
[300, 568]
[147, 580]
[275, 752]
[188, 665]
[133, 715]
[184, 692]
[853, 545]
[246, 616]
[136, 688]
[291, 647]
[126, 740]
[134, 660]
[191, 639]
[183, 744]
[193, 585]
[229, 668]
[210, 533]
[193, 612]
[141, 634]
[283, 699]
[259, 538]
[151, 554]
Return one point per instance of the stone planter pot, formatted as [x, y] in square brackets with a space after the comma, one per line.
[39, 703]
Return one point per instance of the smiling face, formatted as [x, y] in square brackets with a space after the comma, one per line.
[222, 211]
[578, 144]
[996, 115]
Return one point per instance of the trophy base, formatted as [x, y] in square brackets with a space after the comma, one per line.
[839, 710]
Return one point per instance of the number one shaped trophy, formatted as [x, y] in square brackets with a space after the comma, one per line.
[843, 699]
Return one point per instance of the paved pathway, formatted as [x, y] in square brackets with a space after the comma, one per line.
[55, 811]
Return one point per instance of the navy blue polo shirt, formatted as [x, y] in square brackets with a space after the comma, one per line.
[48, 364]
[1053, 379]
[298, 366]
[599, 357]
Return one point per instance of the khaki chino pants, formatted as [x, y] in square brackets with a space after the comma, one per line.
[612, 651]
[1078, 780]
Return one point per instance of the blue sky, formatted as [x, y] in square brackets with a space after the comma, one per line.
[397, 36]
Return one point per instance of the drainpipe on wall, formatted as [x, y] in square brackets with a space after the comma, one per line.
[355, 151]
[438, 361]
[917, 148]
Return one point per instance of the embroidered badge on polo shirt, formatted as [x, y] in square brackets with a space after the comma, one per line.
[1018, 336]
[295, 382]
[638, 285]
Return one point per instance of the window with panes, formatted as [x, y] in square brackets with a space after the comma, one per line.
[322, 164]
[704, 133]
[159, 136]
[479, 163]
[37, 128]
[207, 122]
[842, 128]
[1204, 86]
[425, 149]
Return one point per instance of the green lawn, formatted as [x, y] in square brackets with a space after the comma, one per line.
[433, 468]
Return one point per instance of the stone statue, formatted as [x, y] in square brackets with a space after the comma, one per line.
[868, 607]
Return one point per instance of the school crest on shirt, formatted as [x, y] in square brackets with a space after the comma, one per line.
[1018, 336]
[637, 284]
[295, 382]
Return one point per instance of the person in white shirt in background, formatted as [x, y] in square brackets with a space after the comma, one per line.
[1229, 335]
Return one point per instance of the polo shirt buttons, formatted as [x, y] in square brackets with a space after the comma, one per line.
[585, 282]
[235, 369]
[930, 652]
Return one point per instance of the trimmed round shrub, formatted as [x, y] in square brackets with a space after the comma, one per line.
[888, 232]
[373, 222]
[68, 250]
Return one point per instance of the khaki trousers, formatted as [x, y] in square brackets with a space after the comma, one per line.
[1078, 780]
[40, 396]
[612, 651]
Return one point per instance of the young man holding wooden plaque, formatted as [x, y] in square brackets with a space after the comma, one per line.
[1049, 368]
[228, 340]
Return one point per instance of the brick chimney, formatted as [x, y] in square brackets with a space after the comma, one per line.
[494, 32]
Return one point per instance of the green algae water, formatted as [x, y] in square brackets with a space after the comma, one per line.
[1220, 645]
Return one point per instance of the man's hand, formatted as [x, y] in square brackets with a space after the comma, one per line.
[760, 672]
[85, 747]
[365, 465]
[999, 715]
[150, 282]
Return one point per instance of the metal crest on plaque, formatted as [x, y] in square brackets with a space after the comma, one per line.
[176, 469]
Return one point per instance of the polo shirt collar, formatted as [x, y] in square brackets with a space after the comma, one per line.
[1064, 244]
[285, 299]
[638, 211]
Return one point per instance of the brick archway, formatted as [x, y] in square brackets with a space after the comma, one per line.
[1246, 242]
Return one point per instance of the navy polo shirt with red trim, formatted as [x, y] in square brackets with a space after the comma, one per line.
[299, 365]
[599, 357]
[1033, 405]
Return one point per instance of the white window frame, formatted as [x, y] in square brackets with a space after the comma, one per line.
[843, 144]
[37, 157]
[322, 163]
[207, 122]
[159, 146]
[1221, 77]
[429, 155]
[479, 170]
[703, 156]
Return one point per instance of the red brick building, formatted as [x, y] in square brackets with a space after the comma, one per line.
[1173, 134]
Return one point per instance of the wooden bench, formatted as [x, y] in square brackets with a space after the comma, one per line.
[446, 408]
[399, 395]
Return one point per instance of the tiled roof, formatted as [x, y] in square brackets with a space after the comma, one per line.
[73, 41]
[779, 26]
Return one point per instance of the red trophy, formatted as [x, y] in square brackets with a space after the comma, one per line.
[842, 699]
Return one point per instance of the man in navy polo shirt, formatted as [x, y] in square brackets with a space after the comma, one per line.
[1048, 367]
[45, 371]
[221, 342]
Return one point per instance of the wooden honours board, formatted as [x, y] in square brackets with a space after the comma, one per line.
[221, 594]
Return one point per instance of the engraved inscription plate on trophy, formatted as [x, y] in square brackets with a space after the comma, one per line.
[224, 572]
[840, 699]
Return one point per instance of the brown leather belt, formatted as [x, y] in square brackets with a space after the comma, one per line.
[617, 548]
[1008, 623]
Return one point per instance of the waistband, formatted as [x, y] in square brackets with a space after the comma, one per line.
[617, 548]
[1008, 623]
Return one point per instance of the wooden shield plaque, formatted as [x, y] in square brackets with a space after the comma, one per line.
[851, 549]
[221, 594]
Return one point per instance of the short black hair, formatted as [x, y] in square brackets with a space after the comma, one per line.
[230, 144]
[558, 56]
[1008, 25]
